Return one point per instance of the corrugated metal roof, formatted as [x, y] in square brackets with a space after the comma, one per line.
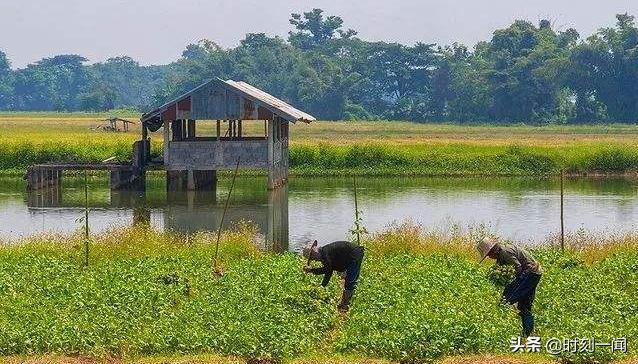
[269, 101]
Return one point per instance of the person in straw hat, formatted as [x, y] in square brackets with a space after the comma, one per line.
[528, 273]
[340, 256]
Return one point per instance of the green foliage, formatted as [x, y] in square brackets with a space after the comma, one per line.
[51, 84]
[419, 308]
[525, 73]
[313, 30]
[159, 304]
[150, 294]
[32, 142]
[451, 159]
[26, 154]
[601, 66]
[501, 275]
[6, 82]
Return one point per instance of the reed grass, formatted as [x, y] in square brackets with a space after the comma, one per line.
[348, 148]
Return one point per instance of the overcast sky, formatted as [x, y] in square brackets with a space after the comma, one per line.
[156, 31]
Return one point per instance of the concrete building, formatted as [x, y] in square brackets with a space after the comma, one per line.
[218, 125]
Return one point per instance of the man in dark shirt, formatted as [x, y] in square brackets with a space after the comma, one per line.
[340, 256]
[528, 273]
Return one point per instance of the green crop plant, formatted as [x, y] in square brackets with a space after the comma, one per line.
[147, 293]
[500, 275]
[420, 297]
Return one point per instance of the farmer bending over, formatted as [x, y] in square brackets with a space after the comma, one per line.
[340, 256]
[528, 273]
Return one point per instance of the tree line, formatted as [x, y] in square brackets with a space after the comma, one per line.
[525, 73]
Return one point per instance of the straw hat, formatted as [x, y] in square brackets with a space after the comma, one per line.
[310, 246]
[485, 245]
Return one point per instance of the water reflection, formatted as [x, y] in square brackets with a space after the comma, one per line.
[183, 211]
[524, 209]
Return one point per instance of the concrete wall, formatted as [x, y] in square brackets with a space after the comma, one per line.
[213, 155]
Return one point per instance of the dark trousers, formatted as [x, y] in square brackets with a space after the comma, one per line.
[522, 291]
[352, 273]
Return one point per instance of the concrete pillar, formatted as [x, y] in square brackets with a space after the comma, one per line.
[278, 226]
[271, 155]
[277, 154]
[141, 153]
[205, 180]
[133, 179]
[176, 180]
[284, 153]
[191, 180]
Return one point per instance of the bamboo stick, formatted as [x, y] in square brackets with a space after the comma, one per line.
[356, 212]
[221, 222]
[562, 211]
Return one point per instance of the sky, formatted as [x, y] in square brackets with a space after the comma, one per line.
[157, 31]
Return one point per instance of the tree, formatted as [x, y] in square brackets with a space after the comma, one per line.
[400, 78]
[263, 61]
[525, 73]
[6, 82]
[51, 83]
[524, 63]
[604, 75]
[313, 30]
[99, 97]
[199, 63]
[121, 82]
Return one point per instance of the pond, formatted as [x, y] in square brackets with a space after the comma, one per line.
[523, 209]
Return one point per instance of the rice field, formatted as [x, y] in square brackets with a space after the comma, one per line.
[364, 148]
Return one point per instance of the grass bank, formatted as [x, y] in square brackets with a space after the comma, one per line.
[363, 148]
[421, 297]
[372, 159]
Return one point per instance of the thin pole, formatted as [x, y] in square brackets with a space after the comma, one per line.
[86, 221]
[356, 211]
[562, 211]
[221, 223]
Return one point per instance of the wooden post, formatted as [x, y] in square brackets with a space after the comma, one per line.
[239, 129]
[356, 212]
[86, 221]
[219, 129]
[191, 129]
[166, 141]
[562, 213]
